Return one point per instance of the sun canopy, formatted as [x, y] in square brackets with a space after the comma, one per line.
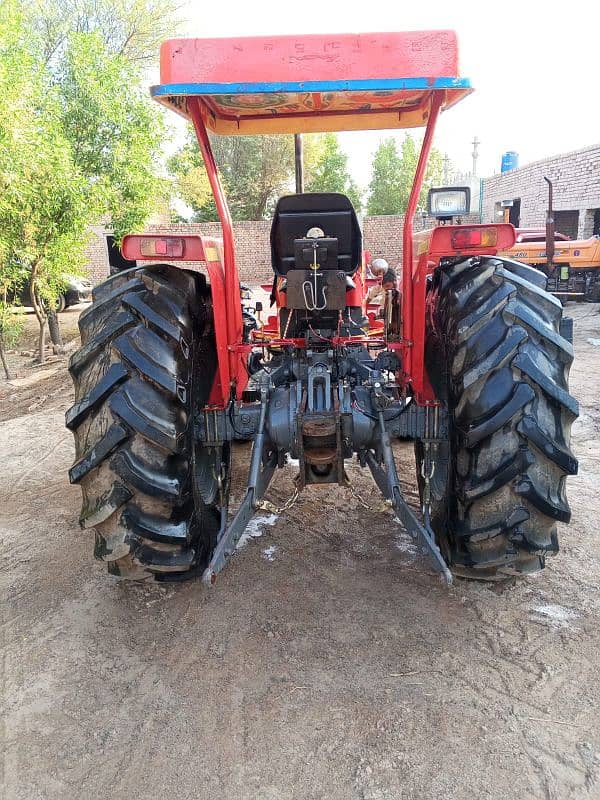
[296, 84]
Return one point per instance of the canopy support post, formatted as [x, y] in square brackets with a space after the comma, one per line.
[299, 161]
[233, 309]
[407, 243]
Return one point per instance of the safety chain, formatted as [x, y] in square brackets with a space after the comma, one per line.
[266, 505]
[378, 509]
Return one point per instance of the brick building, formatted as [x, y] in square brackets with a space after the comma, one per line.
[576, 179]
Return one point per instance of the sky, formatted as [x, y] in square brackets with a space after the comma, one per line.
[534, 66]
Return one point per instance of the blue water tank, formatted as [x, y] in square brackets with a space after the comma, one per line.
[510, 160]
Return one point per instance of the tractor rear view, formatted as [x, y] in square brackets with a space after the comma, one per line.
[468, 359]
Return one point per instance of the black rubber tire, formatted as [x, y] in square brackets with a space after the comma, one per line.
[499, 488]
[592, 286]
[147, 357]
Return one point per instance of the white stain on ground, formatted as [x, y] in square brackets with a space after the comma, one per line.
[255, 528]
[269, 552]
[556, 616]
[404, 542]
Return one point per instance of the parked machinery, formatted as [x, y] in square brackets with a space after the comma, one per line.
[468, 358]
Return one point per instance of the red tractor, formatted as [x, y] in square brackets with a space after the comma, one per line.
[469, 358]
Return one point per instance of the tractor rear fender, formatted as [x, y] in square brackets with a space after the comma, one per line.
[429, 247]
[195, 254]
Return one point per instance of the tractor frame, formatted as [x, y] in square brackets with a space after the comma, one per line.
[227, 414]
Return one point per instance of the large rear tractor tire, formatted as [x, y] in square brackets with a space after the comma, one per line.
[496, 357]
[146, 362]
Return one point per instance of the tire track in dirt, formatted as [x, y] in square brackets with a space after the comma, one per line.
[341, 669]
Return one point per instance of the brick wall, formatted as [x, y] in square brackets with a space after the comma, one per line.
[251, 245]
[576, 178]
[382, 237]
[97, 254]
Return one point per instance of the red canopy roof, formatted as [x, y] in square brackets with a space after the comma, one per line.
[287, 84]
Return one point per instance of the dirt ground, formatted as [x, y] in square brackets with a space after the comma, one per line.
[328, 661]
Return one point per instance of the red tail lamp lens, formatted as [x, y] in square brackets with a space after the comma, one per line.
[168, 246]
[467, 238]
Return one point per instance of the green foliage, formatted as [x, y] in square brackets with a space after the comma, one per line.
[44, 201]
[434, 175]
[393, 174]
[11, 327]
[11, 318]
[113, 129]
[190, 181]
[133, 29]
[78, 141]
[254, 170]
[385, 193]
[326, 168]
[196, 192]
[12, 322]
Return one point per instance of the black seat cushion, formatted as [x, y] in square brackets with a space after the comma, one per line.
[295, 214]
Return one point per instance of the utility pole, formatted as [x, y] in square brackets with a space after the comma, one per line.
[475, 154]
[549, 230]
[446, 169]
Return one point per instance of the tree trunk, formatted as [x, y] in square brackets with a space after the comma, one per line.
[40, 313]
[54, 329]
[7, 372]
[42, 342]
[261, 206]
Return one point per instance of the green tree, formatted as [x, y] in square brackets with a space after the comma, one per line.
[79, 137]
[78, 143]
[385, 195]
[254, 170]
[11, 320]
[133, 29]
[190, 181]
[11, 326]
[433, 171]
[393, 174]
[434, 174]
[95, 51]
[195, 191]
[45, 203]
[326, 168]
[15, 68]
[113, 128]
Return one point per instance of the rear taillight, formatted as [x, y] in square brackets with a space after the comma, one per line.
[468, 238]
[157, 246]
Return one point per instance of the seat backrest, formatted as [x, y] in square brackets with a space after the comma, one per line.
[295, 214]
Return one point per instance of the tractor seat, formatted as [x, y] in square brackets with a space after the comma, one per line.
[295, 215]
